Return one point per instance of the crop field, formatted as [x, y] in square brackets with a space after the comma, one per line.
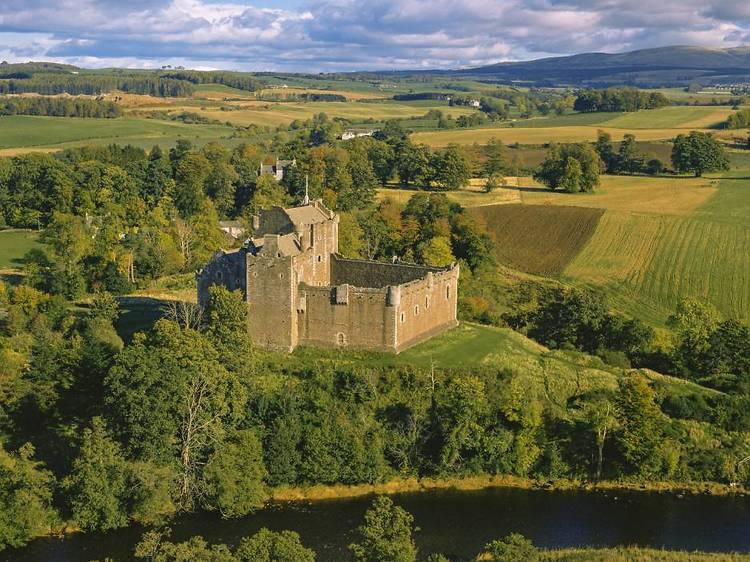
[662, 195]
[539, 135]
[539, 239]
[13, 246]
[282, 113]
[655, 261]
[30, 131]
[682, 117]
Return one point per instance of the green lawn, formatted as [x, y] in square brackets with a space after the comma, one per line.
[20, 131]
[13, 246]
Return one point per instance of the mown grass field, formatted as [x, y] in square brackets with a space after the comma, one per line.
[30, 131]
[648, 262]
[538, 239]
[13, 246]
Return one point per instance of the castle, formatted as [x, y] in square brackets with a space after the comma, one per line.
[299, 290]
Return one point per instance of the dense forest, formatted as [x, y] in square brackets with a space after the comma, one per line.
[50, 79]
[59, 107]
[619, 99]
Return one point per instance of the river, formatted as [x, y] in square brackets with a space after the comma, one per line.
[457, 524]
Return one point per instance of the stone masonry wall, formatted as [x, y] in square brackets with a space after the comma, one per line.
[227, 269]
[363, 273]
[359, 319]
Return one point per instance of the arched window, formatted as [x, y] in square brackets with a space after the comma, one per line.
[341, 338]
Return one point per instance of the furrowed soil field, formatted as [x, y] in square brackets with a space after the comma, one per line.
[539, 239]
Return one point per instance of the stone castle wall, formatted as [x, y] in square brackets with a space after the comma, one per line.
[227, 269]
[345, 316]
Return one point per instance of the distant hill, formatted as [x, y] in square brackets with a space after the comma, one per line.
[665, 66]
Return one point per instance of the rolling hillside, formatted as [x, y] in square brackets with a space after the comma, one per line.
[653, 242]
[678, 65]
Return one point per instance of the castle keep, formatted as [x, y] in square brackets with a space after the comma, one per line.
[299, 290]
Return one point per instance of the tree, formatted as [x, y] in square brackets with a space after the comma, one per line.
[154, 548]
[606, 151]
[600, 415]
[350, 236]
[641, 423]
[629, 158]
[412, 163]
[268, 192]
[234, 476]
[495, 163]
[97, 484]
[559, 171]
[271, 546]
[437, 252]
[698, 153]
[693, 323]
[386, 534]
[382, 157]
[513, 548]
[191, 173]
[451, 169]
[171, 401]
[25, 498]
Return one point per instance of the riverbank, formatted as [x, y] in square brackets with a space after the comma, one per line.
[636, 555]
[481, 482]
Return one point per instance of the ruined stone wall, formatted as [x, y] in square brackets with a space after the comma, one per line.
[271, 296]
[364, 273]
[227, 269]
[345, 316]
[426, 307]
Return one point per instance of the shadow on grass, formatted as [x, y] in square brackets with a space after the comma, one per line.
[138, 314]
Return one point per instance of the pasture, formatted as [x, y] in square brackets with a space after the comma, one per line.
[24, 131]
[472, 196]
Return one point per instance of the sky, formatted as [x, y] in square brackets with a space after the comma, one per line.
[346, 35]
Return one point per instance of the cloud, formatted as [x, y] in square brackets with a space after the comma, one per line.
[331, 35]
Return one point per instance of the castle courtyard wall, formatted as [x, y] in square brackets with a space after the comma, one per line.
[360, 319]
[426, 307]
